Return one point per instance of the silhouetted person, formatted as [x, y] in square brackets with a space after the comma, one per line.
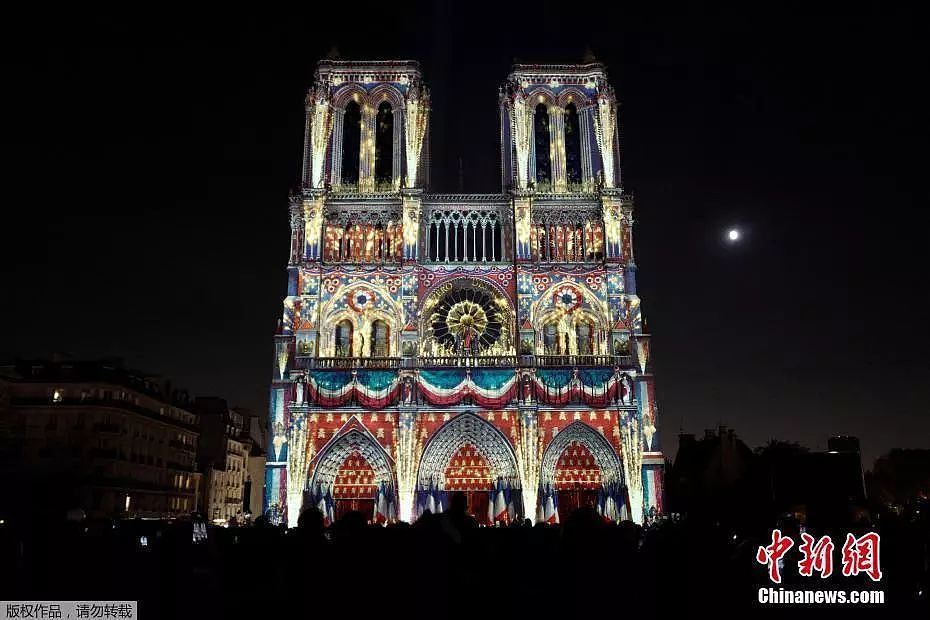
[456, 522]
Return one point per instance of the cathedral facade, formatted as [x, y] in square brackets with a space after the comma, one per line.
[486, 343]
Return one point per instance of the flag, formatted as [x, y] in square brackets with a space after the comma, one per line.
[541, 506]
[500, 503]
[549, 505]
[324, 502]
[509, 498]
[552, 505]
[382, 514]
[438, 499]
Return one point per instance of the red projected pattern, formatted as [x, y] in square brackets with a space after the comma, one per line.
[356, 479]
[577, 469]
[468, 470]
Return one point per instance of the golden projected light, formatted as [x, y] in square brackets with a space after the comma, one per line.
[467, 320]
[466, 317]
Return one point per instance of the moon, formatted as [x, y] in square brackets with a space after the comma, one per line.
[733, 235]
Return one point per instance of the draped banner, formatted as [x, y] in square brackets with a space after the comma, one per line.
[371, 388]
[488, 388]
[597, 387]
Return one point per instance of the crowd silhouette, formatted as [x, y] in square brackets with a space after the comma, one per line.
[442, 565]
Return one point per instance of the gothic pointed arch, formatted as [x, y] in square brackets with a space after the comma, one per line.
[386, 93]
[569, 95]
[463, 430]
[542, 94]
[355, 438]
[605, 456]
[542, 143]
[566, 313]
[384, 143]
[348, 92]
[364, 305]
[351, 142]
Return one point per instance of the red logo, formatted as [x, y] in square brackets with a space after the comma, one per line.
[773, 553]
[860, 555]
[817, 557]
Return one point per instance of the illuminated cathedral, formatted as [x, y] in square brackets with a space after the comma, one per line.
[491, 344]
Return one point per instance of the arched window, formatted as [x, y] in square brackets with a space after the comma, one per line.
[379, 337]
[585, 342]
[550, 340]
[461, 235]
[344, 339]
[351, 142]
[541, 132]
[572, 144]
[384, 138]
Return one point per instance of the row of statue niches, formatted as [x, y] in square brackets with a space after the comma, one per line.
[552, 345]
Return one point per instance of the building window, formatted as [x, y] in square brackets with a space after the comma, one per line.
[379, 335]
[550, 340]
[585, 342]
[541, 133]
[572, 144]
[384, 147]
[344, 339]
[351, 143]
[460, 235]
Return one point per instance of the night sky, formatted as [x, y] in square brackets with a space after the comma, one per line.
[148, 162]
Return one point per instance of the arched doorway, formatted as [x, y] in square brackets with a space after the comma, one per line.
[469, 454]
[469, 472]
[578, 463]
[577, 479]
[351, 468]
[355, 486]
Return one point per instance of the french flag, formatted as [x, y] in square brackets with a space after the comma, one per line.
[551, 506]
[509, 493]
[500, 502]
[380, 515]
[435, 499]
[326, 505]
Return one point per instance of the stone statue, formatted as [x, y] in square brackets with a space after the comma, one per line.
[408, 391]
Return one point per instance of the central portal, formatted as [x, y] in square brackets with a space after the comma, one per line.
[469, 472]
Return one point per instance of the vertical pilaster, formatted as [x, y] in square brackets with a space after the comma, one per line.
[529, 453]
[336, 154]
[557, 148]
[411, 225]
[313, 226]
[366, 160]
[297, 440]
[587, 168]
[307, 171]
[613, 234]
[531, 157]
[297, 232]
[522, 209]
[626, 233]
[407, 458]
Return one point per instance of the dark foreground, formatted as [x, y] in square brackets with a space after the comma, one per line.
[443, 566]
